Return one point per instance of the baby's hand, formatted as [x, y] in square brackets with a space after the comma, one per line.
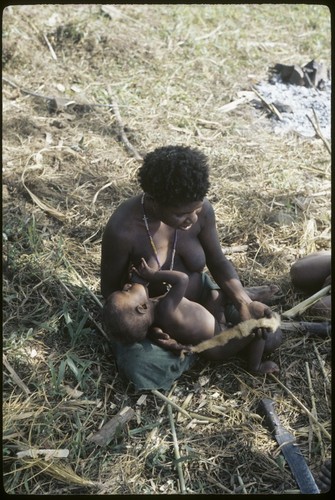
[144, 270]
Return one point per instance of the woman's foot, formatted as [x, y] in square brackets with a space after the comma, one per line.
[263, 293]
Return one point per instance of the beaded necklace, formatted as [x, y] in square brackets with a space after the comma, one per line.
[152, 241]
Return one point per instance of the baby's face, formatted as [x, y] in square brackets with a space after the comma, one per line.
[134, 294]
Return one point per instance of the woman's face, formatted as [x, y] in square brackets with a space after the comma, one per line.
[180, 217]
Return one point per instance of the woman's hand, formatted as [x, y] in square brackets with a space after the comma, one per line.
[256, 310]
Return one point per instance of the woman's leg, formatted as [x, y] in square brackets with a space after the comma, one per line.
[310, 273]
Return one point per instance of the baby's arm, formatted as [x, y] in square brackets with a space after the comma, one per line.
[177, 280]
[164, 340]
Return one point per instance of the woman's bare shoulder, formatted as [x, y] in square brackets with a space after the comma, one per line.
[207, 212]
[125, 211]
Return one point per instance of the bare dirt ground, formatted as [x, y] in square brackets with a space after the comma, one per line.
[87, 91]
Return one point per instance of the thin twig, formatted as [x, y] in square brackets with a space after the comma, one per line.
[53, 54]
[65, 101]
[124, 138]
[302, 406]
[271, 107]
[318, 132]
[176, 451]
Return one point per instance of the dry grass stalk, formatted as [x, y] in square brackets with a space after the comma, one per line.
[303, 407]
[176, 451]
[62, 473]
[314, 411]
[14, 375]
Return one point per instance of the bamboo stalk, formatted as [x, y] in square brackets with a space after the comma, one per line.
[176, 451]
[305, 304]
[302, 406]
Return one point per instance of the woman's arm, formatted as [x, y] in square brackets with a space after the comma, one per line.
[223, 271]
[115, 257]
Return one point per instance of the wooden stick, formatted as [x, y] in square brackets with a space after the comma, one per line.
[234, 249]
[302, 406]
[176, 451]
[323, 329]
[305, 304]
[14, 375]
[108, 431]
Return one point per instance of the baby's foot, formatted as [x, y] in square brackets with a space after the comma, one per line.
[262, 293]
[265, 367]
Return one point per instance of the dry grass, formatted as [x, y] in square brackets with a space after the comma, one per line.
[168, 68]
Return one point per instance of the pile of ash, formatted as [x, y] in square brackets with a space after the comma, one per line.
[295, 92]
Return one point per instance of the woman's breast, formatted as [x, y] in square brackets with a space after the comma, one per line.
[190, 256]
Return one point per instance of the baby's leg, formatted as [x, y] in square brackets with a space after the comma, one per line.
[252, 348]
[260, 346]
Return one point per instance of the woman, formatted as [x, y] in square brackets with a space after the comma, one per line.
[172, 226]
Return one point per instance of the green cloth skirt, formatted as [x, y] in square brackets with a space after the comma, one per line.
[149, 366]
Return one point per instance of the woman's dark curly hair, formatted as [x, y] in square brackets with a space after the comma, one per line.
[175, 175]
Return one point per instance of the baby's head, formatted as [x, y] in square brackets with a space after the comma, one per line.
[127, 314]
